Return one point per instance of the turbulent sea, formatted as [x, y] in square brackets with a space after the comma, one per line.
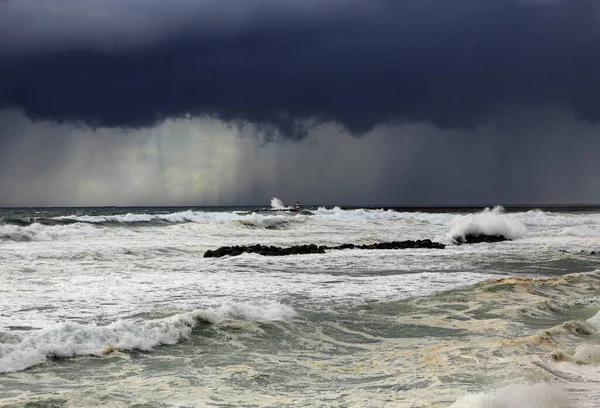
[118, 307]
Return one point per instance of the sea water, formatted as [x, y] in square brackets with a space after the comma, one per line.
[118, 307]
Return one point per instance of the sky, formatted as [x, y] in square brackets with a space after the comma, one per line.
[350, 102]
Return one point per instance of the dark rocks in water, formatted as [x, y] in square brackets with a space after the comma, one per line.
[478, 238]
[425, 243]
[314, 249]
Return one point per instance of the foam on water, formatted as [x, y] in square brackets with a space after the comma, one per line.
[39, 232]
[471, 339]
[176, 217]
[277, 204]
[556, 220]
[517, 396]
[337, 214]
[73, 339]
[487, 222]
[272, 222]
[581, 231]
[410, 328]
[581, 354]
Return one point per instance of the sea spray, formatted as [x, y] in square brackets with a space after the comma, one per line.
[517, 396]
[277, 204]
[488, 222]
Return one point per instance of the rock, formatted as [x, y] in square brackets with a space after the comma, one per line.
[314, 249]
[478, 238]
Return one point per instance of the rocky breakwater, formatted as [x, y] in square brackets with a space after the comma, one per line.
[267, 250]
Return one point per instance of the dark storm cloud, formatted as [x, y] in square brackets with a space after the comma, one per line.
[282, 64]
[536, 156]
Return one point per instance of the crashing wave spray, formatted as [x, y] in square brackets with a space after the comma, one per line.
[487, 222]
[277, 204]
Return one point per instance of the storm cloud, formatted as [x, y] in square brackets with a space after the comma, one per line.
[526, 156]
[285, 66]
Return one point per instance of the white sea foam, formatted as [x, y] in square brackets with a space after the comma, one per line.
[125, 270]
[553, 219]
[587, 354]
[487, 222]
[514, 225]
[337, 214]
[39, 232]
[540, 395]
[595, 321]
[177, 217]
[277, 204]
[332, 214]
[272, 222]
[73, 339]
[581, 231]
[182, 216]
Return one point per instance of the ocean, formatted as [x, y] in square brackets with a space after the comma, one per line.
[118, 307]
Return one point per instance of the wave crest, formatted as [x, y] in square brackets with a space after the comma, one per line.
[39, 232]
[75, 339]
[540, 395]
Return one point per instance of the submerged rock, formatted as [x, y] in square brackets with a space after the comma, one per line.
[314, 249]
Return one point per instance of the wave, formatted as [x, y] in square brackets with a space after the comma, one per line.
[581, 354]
[268, 221]
[272, 223]
[534, 223]
[338, 214]
[521, 329]
[553, 219]
[75, 339]
[26, 221]
[277, 204]
[583, 231]
[488, 222]
[39, 232]
[161, 219]
[177, 217]
[540, 395]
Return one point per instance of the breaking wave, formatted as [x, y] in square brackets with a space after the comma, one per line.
[584, 231]
[75, 339]
[26, 221]
[272, 223]
[557, 219]
[534, 223]
[517, 395]
[277, 204]
[487, 222]
[361, 214]
[177, 217]
[332, 214]
[39, 232]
